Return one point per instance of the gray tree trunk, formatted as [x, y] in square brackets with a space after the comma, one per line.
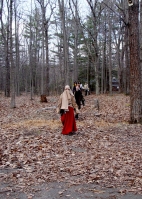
[110, 55]
[5, 37]
[65, 41]
[43, 52]
[93, 7]
[75, 51]
[12, 105]
[103, 66]
[17, 80]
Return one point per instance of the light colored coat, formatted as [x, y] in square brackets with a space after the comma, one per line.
[67, 99]
[85, 86]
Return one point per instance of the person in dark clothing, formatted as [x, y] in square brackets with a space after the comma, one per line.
[74, 87]
[79, 98]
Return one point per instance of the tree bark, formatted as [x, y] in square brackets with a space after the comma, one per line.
[93, 7]
[13, 105]
[65, 41]
[140, 37]
[135, 78]
[5, 37]
[110, 54]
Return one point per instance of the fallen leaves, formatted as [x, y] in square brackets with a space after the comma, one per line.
[106, 151]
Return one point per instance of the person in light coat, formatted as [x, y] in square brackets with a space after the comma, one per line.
[66, 106]
[86, 88]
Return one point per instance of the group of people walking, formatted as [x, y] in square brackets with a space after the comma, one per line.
[69, 106]
[84, 88]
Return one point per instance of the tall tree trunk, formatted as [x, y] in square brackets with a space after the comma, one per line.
[65, 41]
[5, 37]
[13, 105]
[31, 56]
[43, 50]
[93, 7]
[103, 78]
[110, 54]
[7, 67]
[126, 50]
[45, 46]
[17, 51]
[127, 63]
[135, 77]
[47, 58]
[140, 37]
[1, 9]
[75, 66]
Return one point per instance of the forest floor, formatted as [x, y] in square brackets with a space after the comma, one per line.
[103, 160]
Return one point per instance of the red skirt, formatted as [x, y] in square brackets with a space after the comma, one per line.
[68, 121]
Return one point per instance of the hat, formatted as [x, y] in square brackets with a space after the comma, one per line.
[67, 87]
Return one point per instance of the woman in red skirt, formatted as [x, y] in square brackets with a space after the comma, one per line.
[66, 107]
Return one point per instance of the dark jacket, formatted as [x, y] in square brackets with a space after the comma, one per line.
[78, 98]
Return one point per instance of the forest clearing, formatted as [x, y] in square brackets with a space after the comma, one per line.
[105, 152]
[76, 45]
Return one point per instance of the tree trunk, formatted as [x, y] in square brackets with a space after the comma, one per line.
[110, 54]
[127, 64]
[17, 51]
[43, 51]
[7, 70]
[31, 64]
[75, 66]
[103, 78]
[47, 59]
[93, 7]
[5, 37]
[13, 105]
[135, 77]
[65, 41]
[140, 37]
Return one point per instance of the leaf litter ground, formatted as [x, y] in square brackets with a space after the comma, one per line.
[102, 160]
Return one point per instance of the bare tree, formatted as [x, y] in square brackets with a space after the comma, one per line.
[135, 72]
[76, 30]
[13, 105]
[93, 7]
[110, 52]
[103, 66]
[17, 50]
[65, 40]
[5, 36]
[45, 44]
[1, 7]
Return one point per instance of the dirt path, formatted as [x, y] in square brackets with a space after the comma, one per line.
[64, 190]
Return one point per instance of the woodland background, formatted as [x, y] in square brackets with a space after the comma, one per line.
[54, 43]
[45, 44]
